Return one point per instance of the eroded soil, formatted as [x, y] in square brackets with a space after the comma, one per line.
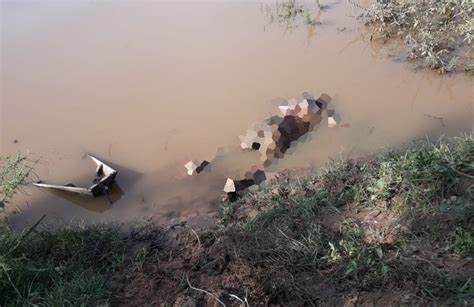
[228, 261]
[217, 265]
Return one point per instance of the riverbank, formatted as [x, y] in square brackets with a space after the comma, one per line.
[394, 228]
[433, 34]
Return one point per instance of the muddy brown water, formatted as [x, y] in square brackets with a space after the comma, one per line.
[148, 86]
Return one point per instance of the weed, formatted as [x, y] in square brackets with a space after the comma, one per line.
[462, 241]
[291, 12]
[14, 170]
[309, 19]
[438, 34]
[289, 9]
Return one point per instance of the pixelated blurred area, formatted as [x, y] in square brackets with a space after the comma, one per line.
[274, 136]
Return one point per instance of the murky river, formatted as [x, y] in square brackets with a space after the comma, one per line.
[150, 86]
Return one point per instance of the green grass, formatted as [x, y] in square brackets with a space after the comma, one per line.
[425, 181]
[437, 34]
[14, 171]
[421, 177]
[64, 268]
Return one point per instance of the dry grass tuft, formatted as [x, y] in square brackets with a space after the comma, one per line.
[437, 34]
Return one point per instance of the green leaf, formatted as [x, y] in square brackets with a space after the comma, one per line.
[351, 267]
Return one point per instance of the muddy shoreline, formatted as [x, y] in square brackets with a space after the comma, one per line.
[394, 228]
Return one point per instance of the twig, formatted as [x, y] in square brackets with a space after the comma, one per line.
[244, 301]
[237, 298]
[432, 116]
[435, 117]
[204, 291]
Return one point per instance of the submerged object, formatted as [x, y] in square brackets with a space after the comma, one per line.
[275, 135]
[105, 178]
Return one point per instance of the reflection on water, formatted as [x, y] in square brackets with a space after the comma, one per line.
[150, 86]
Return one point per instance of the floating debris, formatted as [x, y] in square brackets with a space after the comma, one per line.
[102, 184]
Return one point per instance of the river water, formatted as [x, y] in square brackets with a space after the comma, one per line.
[148, 86]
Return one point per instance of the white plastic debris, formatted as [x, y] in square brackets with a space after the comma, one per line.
[106, 177]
